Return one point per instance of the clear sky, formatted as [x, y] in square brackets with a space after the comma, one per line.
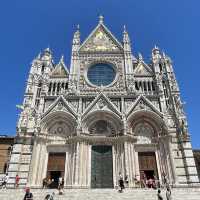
[27, 27]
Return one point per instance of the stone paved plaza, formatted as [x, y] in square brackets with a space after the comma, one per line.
[103, 194]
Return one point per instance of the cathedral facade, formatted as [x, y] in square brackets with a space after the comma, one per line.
[109, 113]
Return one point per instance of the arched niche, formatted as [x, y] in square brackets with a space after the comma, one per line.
[59, 123]
[147, 122]
[102, 128]
[102, 123]
[144, 132]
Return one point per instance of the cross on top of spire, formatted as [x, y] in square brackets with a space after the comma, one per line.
[101, 19]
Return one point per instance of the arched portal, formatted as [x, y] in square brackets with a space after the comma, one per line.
[102, 127]
[152, 146]
[51, 155]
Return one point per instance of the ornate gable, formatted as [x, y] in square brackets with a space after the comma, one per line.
[60, 104]
[143, 103]
[101, 40]
[102, 103]
[142, 69]
[60, 70]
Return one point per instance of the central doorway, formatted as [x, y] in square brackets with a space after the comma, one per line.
[55, 168]
[101, 167]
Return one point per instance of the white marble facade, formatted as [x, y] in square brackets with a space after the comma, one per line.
[67, 110]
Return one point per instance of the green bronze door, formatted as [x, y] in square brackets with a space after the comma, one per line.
[101, 167]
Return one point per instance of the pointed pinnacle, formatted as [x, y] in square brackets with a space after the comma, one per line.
[101, 19]
[140, 56]
[156, 47]
[62, 59]
[47, 50]
[39, 56]
[125, 29]
[163, 54]
[61, 62]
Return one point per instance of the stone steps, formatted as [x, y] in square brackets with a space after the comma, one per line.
[102, 194]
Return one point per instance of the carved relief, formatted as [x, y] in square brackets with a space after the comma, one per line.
[60, 128]
[117, 103]
[60, 106]
[128, 103]
[100, 42]
[102, 127]
[101, 103]
[74, 104]
[144, 133]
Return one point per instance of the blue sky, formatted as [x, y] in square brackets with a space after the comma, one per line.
[27, 27]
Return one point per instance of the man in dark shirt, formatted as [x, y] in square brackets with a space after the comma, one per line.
[28, 195]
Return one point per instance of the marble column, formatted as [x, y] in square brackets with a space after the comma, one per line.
[130, 161]
[175, 179]
[119, 162]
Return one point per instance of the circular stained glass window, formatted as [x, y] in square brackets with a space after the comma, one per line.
[101, 74]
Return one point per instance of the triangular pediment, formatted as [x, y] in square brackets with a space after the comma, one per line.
[60, 104]
[142, 69]
[101, 103]
[141, 104]
[60, 71]
[101, 40]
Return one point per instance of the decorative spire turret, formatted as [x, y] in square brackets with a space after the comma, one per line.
[127, 52]
[76, 38]
[126, 40]
[75, 47]
[47, 55]
[156, 56]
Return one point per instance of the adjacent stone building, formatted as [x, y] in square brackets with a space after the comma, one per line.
[108, 113]
[6, 143]
[196, 153]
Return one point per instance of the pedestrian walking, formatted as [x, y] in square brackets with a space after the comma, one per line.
[121, 183]
[126, 180]
[44, 183]
[168, 194]
[28, 195]
[159, 195]
[60, 185]
[17, 178]
[5, 181]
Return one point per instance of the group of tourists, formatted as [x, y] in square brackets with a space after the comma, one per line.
[148, 183]
[46, 184]
[122, 182]
[51, 183]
